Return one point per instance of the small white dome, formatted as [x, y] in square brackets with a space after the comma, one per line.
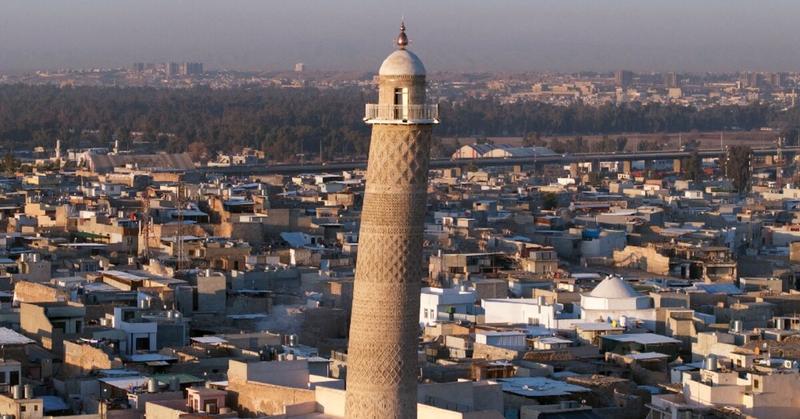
[614, 287]
[402, 63]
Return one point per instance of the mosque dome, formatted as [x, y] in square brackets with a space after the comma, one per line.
[402, 62]
[614, 287]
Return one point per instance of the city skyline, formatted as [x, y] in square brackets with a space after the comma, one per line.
[512, 36]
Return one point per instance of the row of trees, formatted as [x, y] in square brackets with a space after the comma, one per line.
[736, 166]
[286, 122]
[491, 117]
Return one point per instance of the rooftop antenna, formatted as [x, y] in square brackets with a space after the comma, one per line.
[145, 224]
[179, 242]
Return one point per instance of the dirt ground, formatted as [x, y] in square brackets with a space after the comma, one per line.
[708, 140]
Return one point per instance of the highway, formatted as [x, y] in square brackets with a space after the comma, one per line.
[294, 168]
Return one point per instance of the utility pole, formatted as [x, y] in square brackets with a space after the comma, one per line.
[144, 226]
[179, 240]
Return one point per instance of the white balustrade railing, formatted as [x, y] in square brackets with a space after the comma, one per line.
[421, 114]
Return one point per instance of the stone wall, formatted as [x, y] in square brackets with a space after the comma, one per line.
[644, 258]
[31, 292]
[80, 359]
[253, 399]
[483, 351]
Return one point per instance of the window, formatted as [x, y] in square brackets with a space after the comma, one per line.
[756, 384]
[143, 344]
[211, 407]
[22, 408]
[401, 103]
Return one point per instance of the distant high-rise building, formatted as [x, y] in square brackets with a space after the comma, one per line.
[751, 79]
[775, 80]
[190, 69]
[623, 78]
[671, 80]
[299, 68]
[138, 67]
[754, 79]
[171, 69]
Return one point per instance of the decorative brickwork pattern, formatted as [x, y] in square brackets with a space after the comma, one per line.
[382, 355]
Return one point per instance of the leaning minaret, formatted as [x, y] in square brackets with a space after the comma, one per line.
[382, 355]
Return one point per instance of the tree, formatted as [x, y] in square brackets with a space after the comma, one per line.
[549, 201]
[621, 142]
[531, 140]
[594, 178]
[694, 167]
[197, 150]
[737, 166]
[10, 164]
[649, 145]
[284, 121]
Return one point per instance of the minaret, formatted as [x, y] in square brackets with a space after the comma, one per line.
[384, 329]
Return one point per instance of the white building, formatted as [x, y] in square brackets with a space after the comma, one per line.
[140, 334]
[767, 388]
[527, 311]
[510, 339]
[604, 244]
[437, 303]
[614, 300]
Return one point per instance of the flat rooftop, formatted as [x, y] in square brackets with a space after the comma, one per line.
[642, 338]
[539, 387]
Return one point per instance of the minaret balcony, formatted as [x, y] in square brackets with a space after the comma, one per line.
[402, 114]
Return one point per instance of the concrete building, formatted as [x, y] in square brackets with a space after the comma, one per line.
[533, 311]
[140, 334]
[24, 407]
[50, 323]
[446, 304]
[770, 388]
[211, 292]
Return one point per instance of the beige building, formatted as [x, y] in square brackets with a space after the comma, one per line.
[50, 323]
[199, 402]
[23, 407]
[540, 260]
[763, 389]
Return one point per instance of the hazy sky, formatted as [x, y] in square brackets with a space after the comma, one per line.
[460, 35]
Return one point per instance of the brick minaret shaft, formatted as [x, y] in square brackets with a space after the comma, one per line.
[382, 355]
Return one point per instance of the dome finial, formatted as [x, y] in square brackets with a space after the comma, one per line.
[402, 39]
